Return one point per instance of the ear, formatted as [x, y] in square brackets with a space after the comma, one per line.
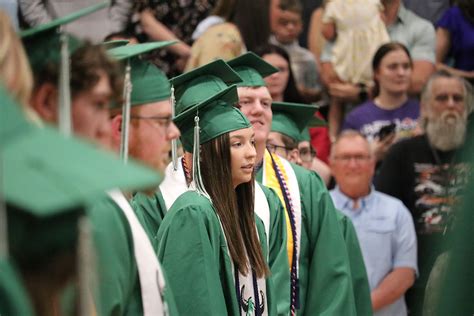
[44, 102]
[116, 132]
[294, 156]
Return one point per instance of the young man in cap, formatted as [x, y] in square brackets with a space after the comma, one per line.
[320, 272]
[125, 256]
[288, 124]
[150, 132]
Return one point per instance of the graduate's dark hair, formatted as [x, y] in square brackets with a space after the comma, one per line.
[235, 207]
[379, 55]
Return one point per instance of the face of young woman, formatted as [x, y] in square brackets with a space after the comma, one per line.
[276, 83]
[394, 72]
[242, 152]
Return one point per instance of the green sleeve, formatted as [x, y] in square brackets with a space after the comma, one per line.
[190, 250]
[360, 283]
[325, 279]
[14, 299]
[278, 256]
[116, 267]
[150, 213]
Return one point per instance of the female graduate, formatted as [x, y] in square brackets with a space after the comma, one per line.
[210, 244]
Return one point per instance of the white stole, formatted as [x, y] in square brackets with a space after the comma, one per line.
[152, 282]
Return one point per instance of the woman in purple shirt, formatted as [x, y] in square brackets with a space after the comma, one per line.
[391, 115]
[455, 39]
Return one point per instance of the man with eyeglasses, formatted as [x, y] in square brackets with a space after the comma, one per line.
[150, 134]
[383, 224]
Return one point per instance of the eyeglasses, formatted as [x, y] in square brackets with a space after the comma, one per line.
[161, 121]
[357, 158]
[273, 148]
[307, 154]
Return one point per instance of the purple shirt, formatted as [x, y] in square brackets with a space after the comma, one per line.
[462, 37]
[368, 119]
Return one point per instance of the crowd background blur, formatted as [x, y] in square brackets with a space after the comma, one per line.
[425, 36]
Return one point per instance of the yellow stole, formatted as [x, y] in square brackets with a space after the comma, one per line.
[271, 181]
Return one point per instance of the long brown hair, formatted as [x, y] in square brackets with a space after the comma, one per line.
[235, 207]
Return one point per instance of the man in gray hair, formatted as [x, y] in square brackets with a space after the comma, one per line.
[426, 172]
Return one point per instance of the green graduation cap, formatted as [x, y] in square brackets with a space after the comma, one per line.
[207, 120]
[291, 119]
[47, 44]
[199, 84]
[144, 83]
[252, 69]
[114, 43]
[43, 43]
[46, 178]
[217, 116]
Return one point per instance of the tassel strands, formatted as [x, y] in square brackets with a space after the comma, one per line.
[127, 91]
[196, 161]
[64, 88]
[174, 144]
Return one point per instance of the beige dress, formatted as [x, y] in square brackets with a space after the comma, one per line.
[360, 32]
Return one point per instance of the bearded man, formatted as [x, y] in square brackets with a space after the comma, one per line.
[425, 172]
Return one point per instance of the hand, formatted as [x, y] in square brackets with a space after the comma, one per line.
[380, 147]
[345, 92]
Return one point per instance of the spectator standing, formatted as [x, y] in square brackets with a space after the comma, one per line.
[286, 27]
[392, 68]
[111, 19]
[357, 30]
[455, 39]
[383, 224]
[405, 27]
[430, 10]
[425, 174]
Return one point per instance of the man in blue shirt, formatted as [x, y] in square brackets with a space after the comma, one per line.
[383, 224]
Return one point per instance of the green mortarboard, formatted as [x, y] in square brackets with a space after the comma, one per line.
[144, 83]
[304, 136]
[199, 84]
[47, 177]
[291, 119]
[114, 43]
[42, 43]
[252, 69]
[123, 52]
[217, 116]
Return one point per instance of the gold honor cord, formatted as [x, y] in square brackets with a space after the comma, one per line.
[64, 88]
[174, 144]
[127, 91]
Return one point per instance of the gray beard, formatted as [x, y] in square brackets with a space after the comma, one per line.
[445, 135]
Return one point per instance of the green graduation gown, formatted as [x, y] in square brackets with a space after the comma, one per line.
[325, 285]
[118, 280]
[360, 283]
[14, 299]
[193, 251]
[150, 211]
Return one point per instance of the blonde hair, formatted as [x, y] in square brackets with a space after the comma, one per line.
[14, 67]
[15, 71]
